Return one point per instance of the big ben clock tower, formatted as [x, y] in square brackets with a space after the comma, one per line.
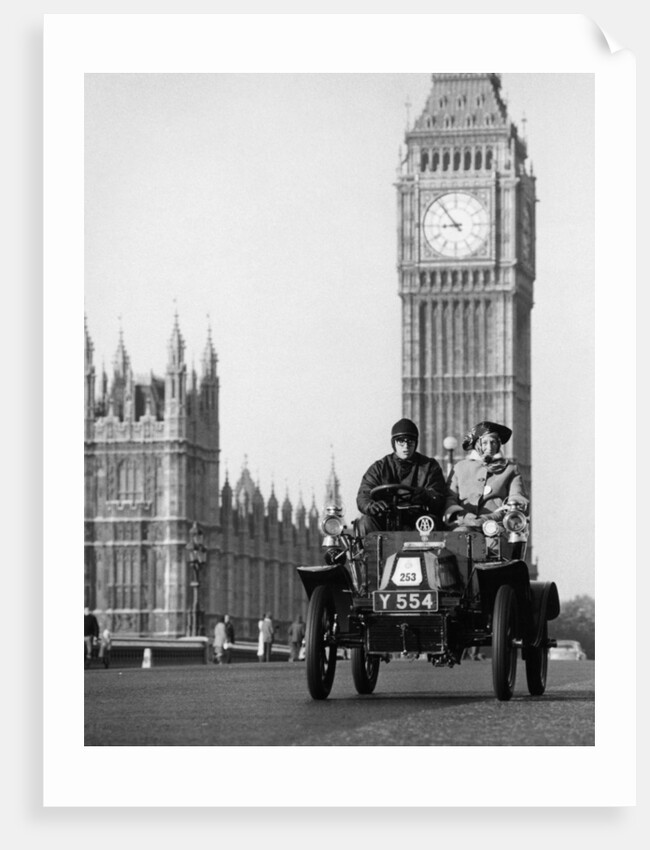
[466, 260]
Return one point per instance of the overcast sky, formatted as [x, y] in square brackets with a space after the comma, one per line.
[267, 203]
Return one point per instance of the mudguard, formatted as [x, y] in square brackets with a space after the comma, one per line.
[492, 576]
[336, 575]
[338, 578]
[544, 606]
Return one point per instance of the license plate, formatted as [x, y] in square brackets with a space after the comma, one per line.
[402, 601]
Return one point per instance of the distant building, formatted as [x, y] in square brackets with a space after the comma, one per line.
[151, 457]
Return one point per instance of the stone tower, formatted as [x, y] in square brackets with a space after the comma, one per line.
[466, 261]
[151, 469]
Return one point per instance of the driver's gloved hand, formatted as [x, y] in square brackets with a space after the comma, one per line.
[379, 507]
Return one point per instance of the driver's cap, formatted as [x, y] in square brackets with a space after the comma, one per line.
[404, 428]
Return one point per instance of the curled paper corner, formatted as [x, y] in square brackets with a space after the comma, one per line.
[603, 38]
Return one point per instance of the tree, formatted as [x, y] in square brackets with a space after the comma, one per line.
[577, 622]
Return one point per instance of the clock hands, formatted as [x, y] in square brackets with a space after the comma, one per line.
[454, 223]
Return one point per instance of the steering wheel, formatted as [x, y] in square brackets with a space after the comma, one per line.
[394, 493]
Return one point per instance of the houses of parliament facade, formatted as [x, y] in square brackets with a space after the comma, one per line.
[152, 471]
[466, 267]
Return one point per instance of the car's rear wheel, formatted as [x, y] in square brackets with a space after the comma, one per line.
[365, 670]
[537, 666]
[504, 651]
[320, 650]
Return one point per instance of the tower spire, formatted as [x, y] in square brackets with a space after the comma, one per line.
[89, 382]
[176, 347]
[333, 486]
[176, 383]
[121, 361]
[209, 356]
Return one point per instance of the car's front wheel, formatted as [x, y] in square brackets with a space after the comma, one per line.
[537, 666]
[504, 650]
[365, 670]
[320, 650]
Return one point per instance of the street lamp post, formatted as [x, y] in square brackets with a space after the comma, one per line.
[196, 558]
[450, 444]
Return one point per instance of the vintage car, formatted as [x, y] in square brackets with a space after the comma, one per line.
[567, 650]
[427, 593]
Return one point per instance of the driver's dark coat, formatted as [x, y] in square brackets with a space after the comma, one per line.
[417, 471]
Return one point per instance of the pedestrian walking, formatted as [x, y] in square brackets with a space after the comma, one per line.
[91, 635]
[267, 636]
[296, 635]
[105, 646]
[260, 640]
[230, 639]
[219, 640]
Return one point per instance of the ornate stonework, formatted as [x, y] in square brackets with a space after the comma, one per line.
[147, 482]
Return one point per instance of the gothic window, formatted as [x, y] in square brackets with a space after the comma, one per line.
[462, 100]
[456, 160]
[424, 160]
[435, 161]
[129, 481]
[445, 161]
[488, 159]
[489, 120]
[478, 159]
[467, 160]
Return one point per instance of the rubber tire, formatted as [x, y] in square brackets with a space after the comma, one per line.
[320, 657]
[504, 653]
[365, 670]
[537, 666]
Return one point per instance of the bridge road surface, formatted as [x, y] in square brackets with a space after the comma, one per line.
[251, 704]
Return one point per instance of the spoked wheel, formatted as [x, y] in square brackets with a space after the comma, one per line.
[320, 654]
[365, 670]
[504, 651]
[537, 666]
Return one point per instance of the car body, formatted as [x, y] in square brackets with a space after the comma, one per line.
[567, 650]
[430, 592]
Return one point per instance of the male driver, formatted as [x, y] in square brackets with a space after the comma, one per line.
[404, 466]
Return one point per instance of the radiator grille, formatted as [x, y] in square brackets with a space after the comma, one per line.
[422, 635]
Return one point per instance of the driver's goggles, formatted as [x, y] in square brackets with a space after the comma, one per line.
[405, 441]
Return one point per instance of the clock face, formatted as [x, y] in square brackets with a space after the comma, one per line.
[456, 224]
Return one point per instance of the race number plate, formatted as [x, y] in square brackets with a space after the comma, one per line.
[402, 601]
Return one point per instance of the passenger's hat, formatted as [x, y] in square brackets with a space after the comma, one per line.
[404, 428]
[503, 433]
